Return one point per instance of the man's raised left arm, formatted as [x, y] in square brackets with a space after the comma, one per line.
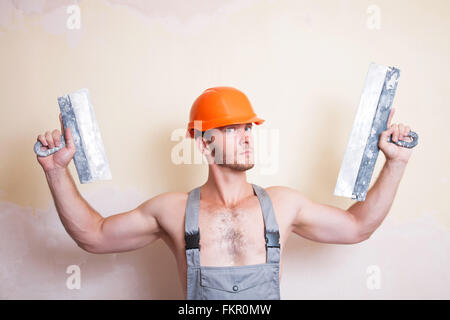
[372, 211]
[324, 223]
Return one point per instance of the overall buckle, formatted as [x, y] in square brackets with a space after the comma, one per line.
[192, 240]
[272, 239]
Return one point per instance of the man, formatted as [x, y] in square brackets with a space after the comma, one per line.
[227, 235]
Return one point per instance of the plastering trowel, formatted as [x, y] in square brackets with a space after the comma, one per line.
[90, 157]
[370, 121]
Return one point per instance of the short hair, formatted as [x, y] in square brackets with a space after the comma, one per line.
[197, 133]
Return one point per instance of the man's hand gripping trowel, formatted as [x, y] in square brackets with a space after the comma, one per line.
[370, 121]
[90, 158]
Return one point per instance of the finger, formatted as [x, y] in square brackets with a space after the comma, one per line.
[407, 130]
[401, 129]
[49, 139]
[42, 139]
[395, 132]
[391, 114]
[61, 123]
[386, 133]
[67, 135]
[56, 137]
[69, 139]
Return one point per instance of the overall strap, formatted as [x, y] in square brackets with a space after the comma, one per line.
[191, 229]
[271, 231]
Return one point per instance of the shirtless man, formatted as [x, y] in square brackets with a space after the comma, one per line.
[232, 243]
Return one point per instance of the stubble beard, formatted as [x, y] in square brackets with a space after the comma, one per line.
[234, 166]
[238, 166]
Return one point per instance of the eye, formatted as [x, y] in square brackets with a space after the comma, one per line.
[249, 127]
[229, 129]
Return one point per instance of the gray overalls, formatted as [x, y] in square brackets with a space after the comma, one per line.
[252, 282]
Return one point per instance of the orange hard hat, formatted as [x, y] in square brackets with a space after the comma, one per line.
[220, 106]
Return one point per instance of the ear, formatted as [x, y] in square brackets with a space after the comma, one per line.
[202, 145]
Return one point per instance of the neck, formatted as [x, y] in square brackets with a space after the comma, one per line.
[225, 186]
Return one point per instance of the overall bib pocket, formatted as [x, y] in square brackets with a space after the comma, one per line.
[239, 282]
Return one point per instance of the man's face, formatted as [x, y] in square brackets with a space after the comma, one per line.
[232, 146]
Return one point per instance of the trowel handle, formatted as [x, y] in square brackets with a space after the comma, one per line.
[45, 153]
[407, 144]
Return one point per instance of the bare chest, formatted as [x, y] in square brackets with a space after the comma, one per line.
[231, 236]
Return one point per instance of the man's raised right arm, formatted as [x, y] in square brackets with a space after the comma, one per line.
[120, 232]
[117, 233]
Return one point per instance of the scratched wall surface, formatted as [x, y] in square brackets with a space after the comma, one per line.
[301, 63]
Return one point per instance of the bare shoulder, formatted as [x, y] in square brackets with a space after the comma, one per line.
[285, 193]
[165, 203]
[286, 200]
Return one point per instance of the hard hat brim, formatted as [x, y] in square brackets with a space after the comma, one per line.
[217, 123]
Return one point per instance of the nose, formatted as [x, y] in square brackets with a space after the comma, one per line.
[246, 136]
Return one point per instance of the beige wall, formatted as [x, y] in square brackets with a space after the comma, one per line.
[301, 63]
